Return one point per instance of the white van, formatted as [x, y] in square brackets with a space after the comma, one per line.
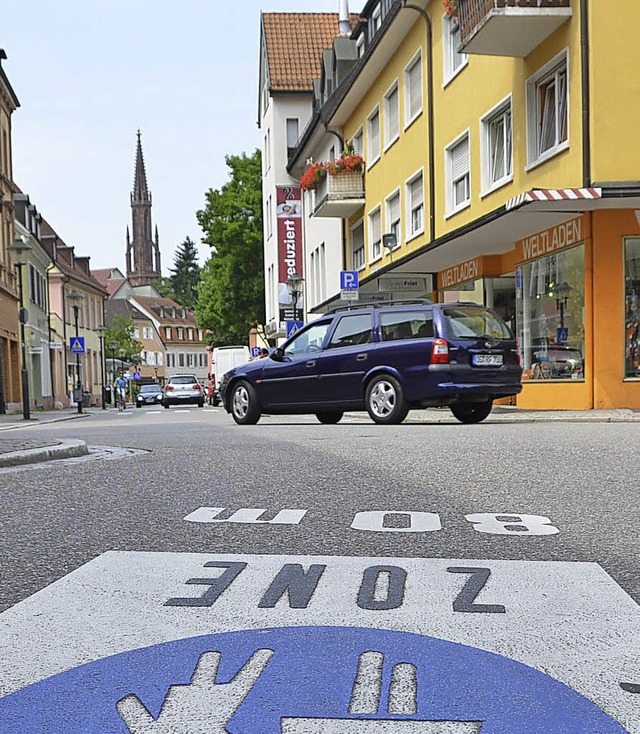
[222, 360]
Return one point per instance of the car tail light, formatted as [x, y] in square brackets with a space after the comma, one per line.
[196, 387]
[169, 387]
[440, 352]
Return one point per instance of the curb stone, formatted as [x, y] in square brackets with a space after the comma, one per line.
[63, 450]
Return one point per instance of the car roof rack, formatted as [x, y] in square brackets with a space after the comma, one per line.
[382, 304]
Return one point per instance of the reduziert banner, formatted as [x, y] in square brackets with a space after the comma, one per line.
[289, 217]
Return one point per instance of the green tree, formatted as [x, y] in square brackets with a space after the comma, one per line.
[231, 292]
[185, 274]
[119, 340]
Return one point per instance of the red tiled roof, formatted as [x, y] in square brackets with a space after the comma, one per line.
[294, 43]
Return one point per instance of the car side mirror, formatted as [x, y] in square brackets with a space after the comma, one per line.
[277, 354]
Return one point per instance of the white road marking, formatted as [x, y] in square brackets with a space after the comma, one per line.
[569, 620]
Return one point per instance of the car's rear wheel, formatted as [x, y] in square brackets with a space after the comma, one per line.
[201, 404]
[330, 416]
[471, 412]
[385, 400]
[245, 408]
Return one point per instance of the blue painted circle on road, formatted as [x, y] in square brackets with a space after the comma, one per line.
[310, 675]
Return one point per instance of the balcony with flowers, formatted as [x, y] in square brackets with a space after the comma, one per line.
[506, 27]
[338, 185]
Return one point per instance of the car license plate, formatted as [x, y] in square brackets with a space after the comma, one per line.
[494, 360]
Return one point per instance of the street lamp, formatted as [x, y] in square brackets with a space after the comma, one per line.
[112, 346]
[19, 251]
[76, 298]
[101, 330]
[294, 285]
[122, 353]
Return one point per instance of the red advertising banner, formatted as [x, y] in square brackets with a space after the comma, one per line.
[289, 217]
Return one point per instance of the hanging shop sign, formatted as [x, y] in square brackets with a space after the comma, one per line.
[555, 238]
[290, 261]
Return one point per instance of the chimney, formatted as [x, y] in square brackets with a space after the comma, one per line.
[343, 21]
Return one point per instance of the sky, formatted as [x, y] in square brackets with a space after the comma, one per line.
[89, 73]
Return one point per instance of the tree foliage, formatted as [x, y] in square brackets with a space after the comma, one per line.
[164, 286]
[231, 293]
[185, 274]
[119, 340]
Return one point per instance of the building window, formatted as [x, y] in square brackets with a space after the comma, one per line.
[393, 216]
[180, 334]
[200, 334]
[167, 332]
[632, 307]
[190, 334]
[357, 246]
[547, 110]
[136, 333]
[181, 359]
[415, 206]
[267, 149]
[550, 316]
[292, 133]
[497, 147]
[376, 21]
[159, 359]
[332, 154]
[375, 234]
[373, 136]
[358, 143]
[453, 61]
[148, 333]
[458, 174]
[360, 47]
[413, 89]
[391, 115]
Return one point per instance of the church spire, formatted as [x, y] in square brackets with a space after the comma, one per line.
[143, 254]
[140, 188]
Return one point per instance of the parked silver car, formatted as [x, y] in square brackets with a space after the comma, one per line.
[182, 390]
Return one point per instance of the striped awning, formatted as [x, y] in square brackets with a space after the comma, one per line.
[552, 195]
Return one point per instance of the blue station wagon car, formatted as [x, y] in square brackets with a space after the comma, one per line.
[386, 359]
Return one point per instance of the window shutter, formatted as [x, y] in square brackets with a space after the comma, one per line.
[376, 228]
[415, 88]
[460, 160]
[394, 209]
[393, 127]
[416, 193]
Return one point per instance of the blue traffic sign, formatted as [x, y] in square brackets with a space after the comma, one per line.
[307, 680]
[349, 280]
[136, 375]
[255, 351]
[76, 345]
[562, 334]
[293, 327]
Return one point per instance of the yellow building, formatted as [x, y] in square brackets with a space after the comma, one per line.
[499, 151]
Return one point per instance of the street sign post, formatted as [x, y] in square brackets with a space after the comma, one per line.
[293, 327]
[76, 345]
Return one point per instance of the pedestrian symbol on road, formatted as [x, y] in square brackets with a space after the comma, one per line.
[304, 680]
[76, 345]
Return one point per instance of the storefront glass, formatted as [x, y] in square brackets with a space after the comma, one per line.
[550, 316]
[632, 307]
[498, 294]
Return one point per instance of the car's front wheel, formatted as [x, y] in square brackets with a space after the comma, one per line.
[471, 412]
[166, 405]
[330, 416]
[385, 400]
[245, 408]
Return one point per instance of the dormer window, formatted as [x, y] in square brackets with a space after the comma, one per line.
[376, 21]
[360, 47]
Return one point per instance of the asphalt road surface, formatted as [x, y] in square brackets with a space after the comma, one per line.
[301, 578]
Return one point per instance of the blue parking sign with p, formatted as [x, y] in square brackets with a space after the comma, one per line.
[349, 280]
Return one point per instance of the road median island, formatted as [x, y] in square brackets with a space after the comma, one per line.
[29, 454]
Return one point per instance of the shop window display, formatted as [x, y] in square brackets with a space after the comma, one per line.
[632, 307]
[550, 316]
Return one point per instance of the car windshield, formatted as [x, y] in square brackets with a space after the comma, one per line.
[469, 322]
[183, 380]
[149, 388]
